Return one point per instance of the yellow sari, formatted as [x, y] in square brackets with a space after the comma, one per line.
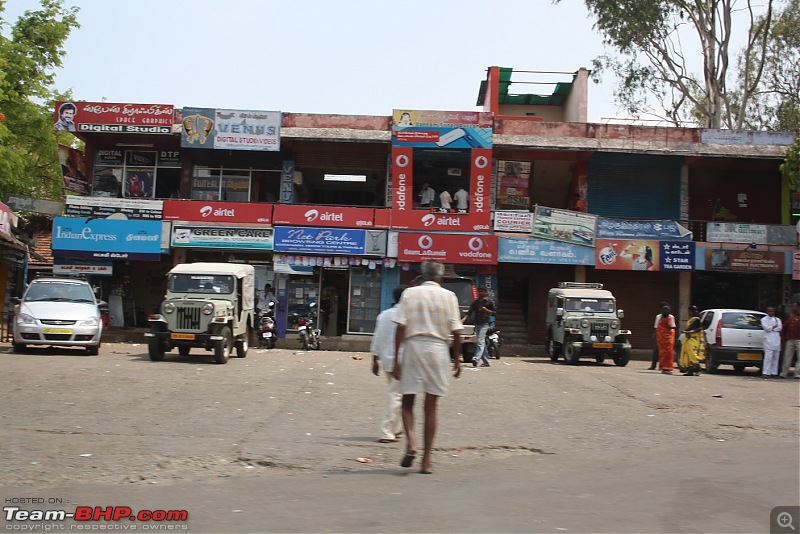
[693, 350]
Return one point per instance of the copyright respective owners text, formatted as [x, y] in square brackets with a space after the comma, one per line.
[52, 514]
[784, 519]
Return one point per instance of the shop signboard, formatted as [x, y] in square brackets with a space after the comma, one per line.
[118, 208]
[532, 250]
[564, 225]
[35, 205]
[676, 256]
[230, 212]
[231, 129]
[106, 239]
[448, 248]
[335, 216]
[751, 261]
[108, 117]
[513, 221]
[304, 240]
[442, 129]
[477, 216]
[736, 233]
[627, 255]
[253, 238]
[641, 229]
[95, 268]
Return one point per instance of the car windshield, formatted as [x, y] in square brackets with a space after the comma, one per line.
[201, 283]
[742, 320]
[463, 288]
[59, 290]
[589, 305]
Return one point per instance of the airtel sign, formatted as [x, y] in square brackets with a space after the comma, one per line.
[336, 216]
[447, 248]
[230, 212]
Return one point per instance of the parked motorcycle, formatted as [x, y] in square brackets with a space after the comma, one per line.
[266, 327]
[304, 323]
[493, 341]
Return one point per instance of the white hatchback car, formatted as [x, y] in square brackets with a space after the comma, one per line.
[734, 337]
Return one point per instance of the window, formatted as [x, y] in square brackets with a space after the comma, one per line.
[216, 183]
[136, 173]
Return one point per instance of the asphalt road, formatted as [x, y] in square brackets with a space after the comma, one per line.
[269, 444]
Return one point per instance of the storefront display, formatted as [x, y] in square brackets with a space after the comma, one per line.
[365, 299]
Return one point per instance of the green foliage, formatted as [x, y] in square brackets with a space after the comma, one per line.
[29, 54]
[790, 168]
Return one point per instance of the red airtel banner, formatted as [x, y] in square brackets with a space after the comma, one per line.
[335, 216]
[447, 248]
[405, 217]
[230, 212]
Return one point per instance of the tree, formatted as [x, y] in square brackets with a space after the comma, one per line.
[649, 35]
[33, 48]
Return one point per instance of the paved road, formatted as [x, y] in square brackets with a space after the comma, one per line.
[268, 444]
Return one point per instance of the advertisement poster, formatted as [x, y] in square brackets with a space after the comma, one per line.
[139, 183]
[223, 237]
[531, 250]
[105, 207]
[110, 239]
[632, 229]
[513, 221]
[736, 233]
[513, 180]
[73, 170]
[113, 118]
[677, 256]
[330, 241]
[627, 255]
[231, 129]
[447, 248]
[441, 129]
[564, 225]
[751, 261]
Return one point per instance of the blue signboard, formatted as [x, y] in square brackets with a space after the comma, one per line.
[320, 240]
[676, 256]
[633, 229]
[516, 250]
[112, 239]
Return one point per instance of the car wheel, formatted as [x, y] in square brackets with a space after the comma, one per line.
[93, 350]
[19, 348]
[552, 348]
[571, 353]
[243, 344]
[224, 346]
[622, 358]
[155, 349]
[184, 350]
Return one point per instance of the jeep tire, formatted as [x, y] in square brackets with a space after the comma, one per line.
[622, 357]
[571, 353]
[155, 349]
[223, 347]
[553, 348]
[243, 344]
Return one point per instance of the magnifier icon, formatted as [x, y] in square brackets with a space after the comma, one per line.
[784, 520]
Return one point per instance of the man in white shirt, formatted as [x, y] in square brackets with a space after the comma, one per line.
[462, 199]
[426, 195]
[266, 297]
[382, 349]
[772, 343]
[445, 200]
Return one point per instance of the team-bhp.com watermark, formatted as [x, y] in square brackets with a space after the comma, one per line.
[21, 518]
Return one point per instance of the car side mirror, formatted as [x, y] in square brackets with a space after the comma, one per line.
[620, 314]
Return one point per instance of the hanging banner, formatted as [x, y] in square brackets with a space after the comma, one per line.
[632, 229]
[531, 250]
[442, 129]
[231, 129]
[121, 208]
[513, 221]
[627, 255]
[736, 233]
[564, 225]
[751, 261]
[677, 256]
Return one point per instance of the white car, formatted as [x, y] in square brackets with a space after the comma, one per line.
[734, 337]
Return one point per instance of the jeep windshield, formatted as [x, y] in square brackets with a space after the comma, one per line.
[201, 283]
[589, 305]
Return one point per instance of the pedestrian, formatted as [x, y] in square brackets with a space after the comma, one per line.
[482, 310]
[426, 317]
[445, 200]
[462, 199]
[791, 333]
[266, 297]
[654, 356]
[693, 349]
[382, 349]
[772, 326]
[665, 338]
[426, 195]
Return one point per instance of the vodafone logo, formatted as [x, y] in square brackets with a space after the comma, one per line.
[311, 215]
[401, 160]
[425, 242]
[429, 219]
[205, 211]
[475, 244]
[481, 162]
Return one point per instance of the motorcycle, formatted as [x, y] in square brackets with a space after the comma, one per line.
[307, 334]
[493, 341]
[266, 327]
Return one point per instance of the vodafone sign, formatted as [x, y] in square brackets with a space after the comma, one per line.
[447, 248]
[336, 216]
[230, 212]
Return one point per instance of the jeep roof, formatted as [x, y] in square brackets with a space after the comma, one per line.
[233, 269]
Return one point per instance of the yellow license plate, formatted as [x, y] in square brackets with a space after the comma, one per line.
[602, 345]
[182, 336]
[749, 356]
[56, 331]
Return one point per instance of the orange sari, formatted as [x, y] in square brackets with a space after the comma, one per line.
[665, 338]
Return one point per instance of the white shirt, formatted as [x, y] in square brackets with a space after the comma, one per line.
[382, 344]
[427, 195]
[462, 199]
[445, 199]
[772, 332]
[429, 310]
[265, 299]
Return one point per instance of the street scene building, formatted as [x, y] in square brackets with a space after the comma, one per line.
[520, 193]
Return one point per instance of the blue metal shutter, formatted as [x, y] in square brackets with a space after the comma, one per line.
[634, 186]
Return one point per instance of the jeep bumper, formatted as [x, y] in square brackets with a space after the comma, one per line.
[595, 346]
[178, 338]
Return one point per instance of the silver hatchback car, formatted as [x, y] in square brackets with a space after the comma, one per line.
[58, 311]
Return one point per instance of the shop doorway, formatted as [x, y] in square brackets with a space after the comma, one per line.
[334, 301]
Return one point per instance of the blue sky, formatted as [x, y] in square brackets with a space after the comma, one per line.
[353, 57]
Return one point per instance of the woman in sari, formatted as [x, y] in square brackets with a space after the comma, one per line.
[665, 339]
[693, 350]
